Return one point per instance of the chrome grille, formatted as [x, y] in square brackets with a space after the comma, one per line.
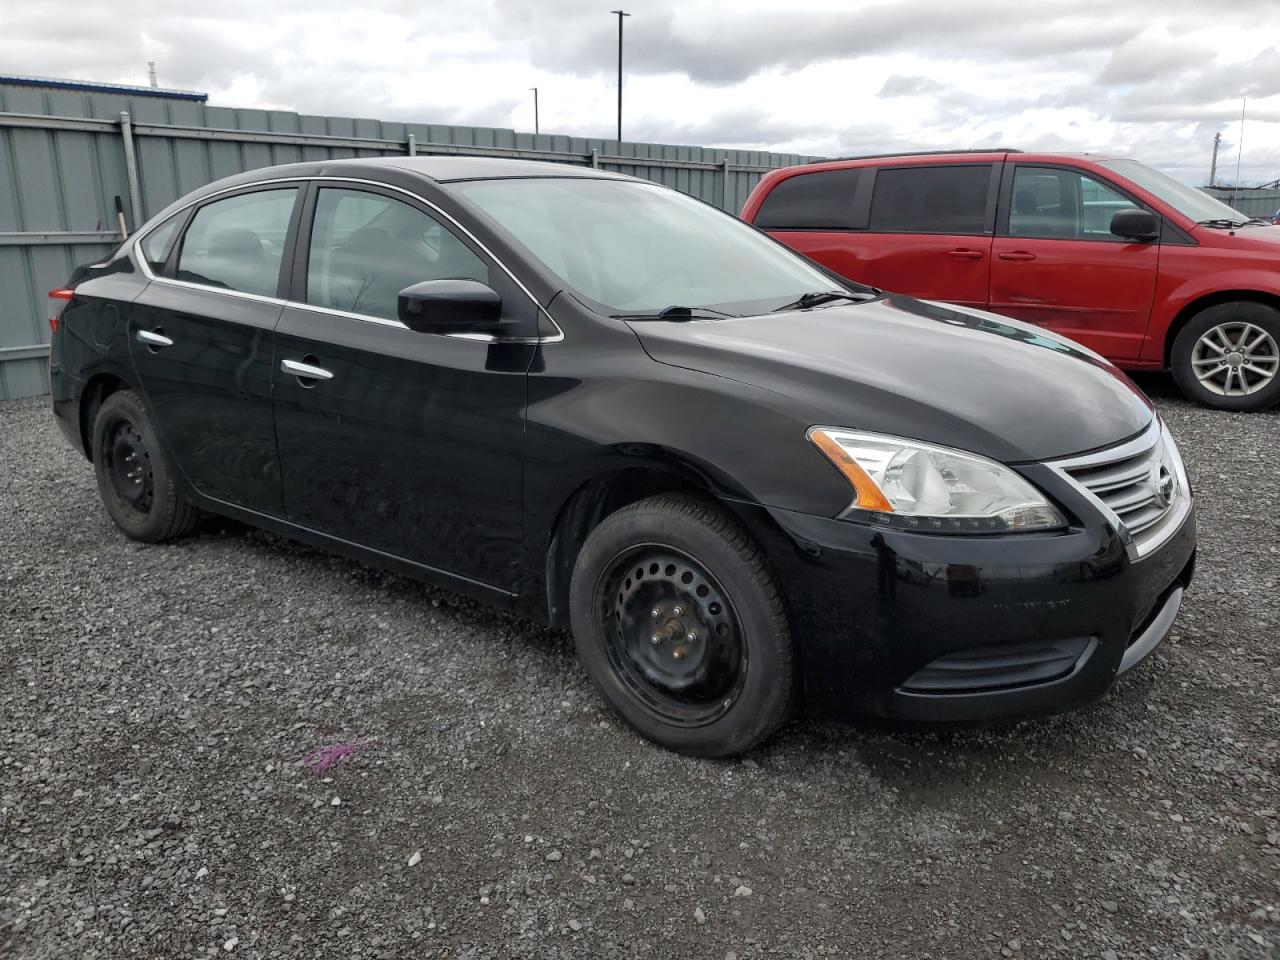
[1141, 485]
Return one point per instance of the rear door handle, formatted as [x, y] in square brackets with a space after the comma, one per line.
[1017, 255]
[305, 371]
[154, 339]
[966, 254]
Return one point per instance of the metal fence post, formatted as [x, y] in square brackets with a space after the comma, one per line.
[595, 158]
[724, 185]
[412, 145]
[131, 169]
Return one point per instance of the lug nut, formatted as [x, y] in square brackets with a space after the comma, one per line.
[655, 613]
[691, 637]
[679, 653]
[677, 610]
[655, 639]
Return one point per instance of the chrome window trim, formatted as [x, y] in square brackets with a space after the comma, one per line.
[238, 294]
[1157, 432]
[140, 262]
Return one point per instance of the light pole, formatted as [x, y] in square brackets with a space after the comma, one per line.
[621, 14]
[535, 110]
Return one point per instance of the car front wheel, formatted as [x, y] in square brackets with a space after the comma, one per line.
[136, 478]
[1228, 356]
[680, 625]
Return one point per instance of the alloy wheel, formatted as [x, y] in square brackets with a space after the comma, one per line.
[1235, 359]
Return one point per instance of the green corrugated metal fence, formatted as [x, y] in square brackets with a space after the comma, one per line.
[65, 155]
[1250, 201]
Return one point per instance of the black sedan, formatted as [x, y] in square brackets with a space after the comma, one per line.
[601, 404]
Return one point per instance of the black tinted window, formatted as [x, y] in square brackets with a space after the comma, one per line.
[951, 199]
[238, 243]
[815, 201]
[366, 248]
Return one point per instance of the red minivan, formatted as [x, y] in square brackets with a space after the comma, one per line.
[1145, 270]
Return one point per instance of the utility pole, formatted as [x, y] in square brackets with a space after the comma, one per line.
[621, 14]
[1213, 164]
[1240, 148]
[151, 72]
[535, 110]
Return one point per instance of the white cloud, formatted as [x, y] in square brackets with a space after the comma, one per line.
[1149, 78]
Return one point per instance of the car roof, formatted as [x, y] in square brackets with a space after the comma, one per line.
[438, 169]
[448, 169]
[875, 159]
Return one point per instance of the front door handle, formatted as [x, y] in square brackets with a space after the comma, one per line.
[306, 371]
[964, 253]
[1017, 255]
[154, 339]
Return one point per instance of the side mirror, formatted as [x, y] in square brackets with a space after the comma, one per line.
[449, 306]
[1135, 224]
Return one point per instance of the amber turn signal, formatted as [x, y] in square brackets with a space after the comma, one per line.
[869, 495]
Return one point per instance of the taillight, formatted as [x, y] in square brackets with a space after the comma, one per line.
[57, 303]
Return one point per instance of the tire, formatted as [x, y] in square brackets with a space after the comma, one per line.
[137, 480]
[681, 627]
[1211, 334]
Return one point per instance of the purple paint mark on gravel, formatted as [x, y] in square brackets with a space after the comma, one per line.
[323, 759]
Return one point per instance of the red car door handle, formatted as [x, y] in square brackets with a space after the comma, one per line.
[1017, 255]
[966, 254]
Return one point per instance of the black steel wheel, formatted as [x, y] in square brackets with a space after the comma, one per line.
[680, 625]
[136, 480]
[672, 635]
[128, 463]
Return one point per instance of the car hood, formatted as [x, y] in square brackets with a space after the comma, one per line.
[920, 370]
[1265, 238]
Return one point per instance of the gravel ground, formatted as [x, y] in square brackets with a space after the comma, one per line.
[157, 704]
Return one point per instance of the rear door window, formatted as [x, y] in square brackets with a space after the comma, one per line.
[238, 243]
[822, 200]
[943, 199]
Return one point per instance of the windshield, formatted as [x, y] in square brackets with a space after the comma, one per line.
[1188, 201]
[633, 248]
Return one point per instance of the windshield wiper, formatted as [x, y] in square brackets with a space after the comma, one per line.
[823, 296]
[677, 312]
[1222, 223]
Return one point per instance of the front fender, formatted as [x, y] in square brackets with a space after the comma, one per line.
[1246, 282]
[735, 440]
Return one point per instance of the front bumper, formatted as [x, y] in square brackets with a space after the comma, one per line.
[967, 629]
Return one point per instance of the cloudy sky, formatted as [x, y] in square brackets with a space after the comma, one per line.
[1154, 80]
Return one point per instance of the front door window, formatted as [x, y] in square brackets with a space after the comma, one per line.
[1054, 204]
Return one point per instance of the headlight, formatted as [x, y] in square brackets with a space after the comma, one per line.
[918, 486]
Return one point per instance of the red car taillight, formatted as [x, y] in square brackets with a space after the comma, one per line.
[58, 300]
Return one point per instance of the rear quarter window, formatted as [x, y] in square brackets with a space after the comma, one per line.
[943, 199]
[822, 200]
[155, 245]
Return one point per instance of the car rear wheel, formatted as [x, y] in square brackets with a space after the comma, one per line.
[1228, 356]
[136, 478]
[681, 627]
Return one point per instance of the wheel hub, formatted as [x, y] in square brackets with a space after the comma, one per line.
[676, 636]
